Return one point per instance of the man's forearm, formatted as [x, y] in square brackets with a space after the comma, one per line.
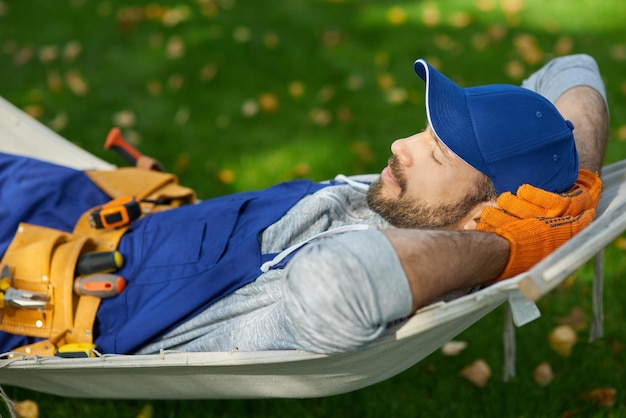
[585, 107]
[574, 84]
[439, 262]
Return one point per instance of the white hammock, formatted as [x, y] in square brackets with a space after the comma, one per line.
[295, 374]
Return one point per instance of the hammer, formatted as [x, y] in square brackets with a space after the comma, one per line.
[116, 141]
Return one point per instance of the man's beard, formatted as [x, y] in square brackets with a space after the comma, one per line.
[405, 212]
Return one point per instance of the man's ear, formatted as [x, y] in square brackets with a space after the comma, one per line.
[473, 217]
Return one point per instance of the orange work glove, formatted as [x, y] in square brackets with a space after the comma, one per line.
[531, 202]
[536, 222]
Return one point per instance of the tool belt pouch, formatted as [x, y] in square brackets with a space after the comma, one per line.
[151, 186]
[43, 260]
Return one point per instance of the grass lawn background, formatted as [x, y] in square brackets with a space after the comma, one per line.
[237, 95]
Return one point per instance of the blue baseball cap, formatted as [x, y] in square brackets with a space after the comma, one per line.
[511, 134]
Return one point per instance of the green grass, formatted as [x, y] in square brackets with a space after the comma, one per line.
[341, 75]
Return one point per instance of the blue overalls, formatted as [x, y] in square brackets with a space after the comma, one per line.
[177, 262]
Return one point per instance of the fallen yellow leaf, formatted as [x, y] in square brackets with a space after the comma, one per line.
[48, 53]
[155, 87]
[485, 5]
[320, 117]
[453, 348]
[355, 82]
[381, 58]
[331, 38]
[153, 11]
[386, 81]
[512, 6]
[576, 319]
[397, 95]
[460, 20]
[59, 122]
[496, 32]
[27, 409]
[430, 14]
[182, 116]
[147, 411]
[209, 8]
[175, 81]
[124, 118]
[250, 108]
[543, 374]
[602, 396]
[296, 89]
[326, 93]
[175, 48]
[271, 40]
[301, 170]
[617, 349]
[363, 151]
[527, 47]
[478, 373]
[172, 17]
[396, 16]
[55, 84]
[208, 72]
[564, 46]
[72, 50]
[515, 69]
[76, 83]
[242, 34]
[480, 41]
[226, 176]
[344, 114]
[182, 161]
[620, 242]
[34, 111]
[618, 52]
[129, 17]
[444, 42]
[268, 102]
[23, 55]
[562, 340]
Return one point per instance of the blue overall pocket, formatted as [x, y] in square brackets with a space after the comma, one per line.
[182, 260]
[169, 259]
[174, 243]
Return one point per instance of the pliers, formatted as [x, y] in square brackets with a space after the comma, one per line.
[18, 298]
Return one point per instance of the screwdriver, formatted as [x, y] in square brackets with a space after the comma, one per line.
[101, 285]
[76, 350]
[99, 262]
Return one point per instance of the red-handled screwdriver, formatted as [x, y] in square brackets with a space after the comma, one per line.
[100, 285]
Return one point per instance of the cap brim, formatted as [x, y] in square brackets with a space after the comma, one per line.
[446, 110]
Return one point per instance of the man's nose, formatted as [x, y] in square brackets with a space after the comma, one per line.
[400, 148]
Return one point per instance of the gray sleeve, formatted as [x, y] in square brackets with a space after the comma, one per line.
[563, 73]
[340, 293]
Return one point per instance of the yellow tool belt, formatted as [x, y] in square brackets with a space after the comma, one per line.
[44, 260]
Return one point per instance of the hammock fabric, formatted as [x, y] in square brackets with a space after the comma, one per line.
[297, 374]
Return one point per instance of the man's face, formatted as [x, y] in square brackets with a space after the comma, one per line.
[425, 185]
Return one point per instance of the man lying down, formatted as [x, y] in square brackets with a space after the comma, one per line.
[215, 276]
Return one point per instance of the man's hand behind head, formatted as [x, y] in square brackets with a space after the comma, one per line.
[531, 202]
[536, 222]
